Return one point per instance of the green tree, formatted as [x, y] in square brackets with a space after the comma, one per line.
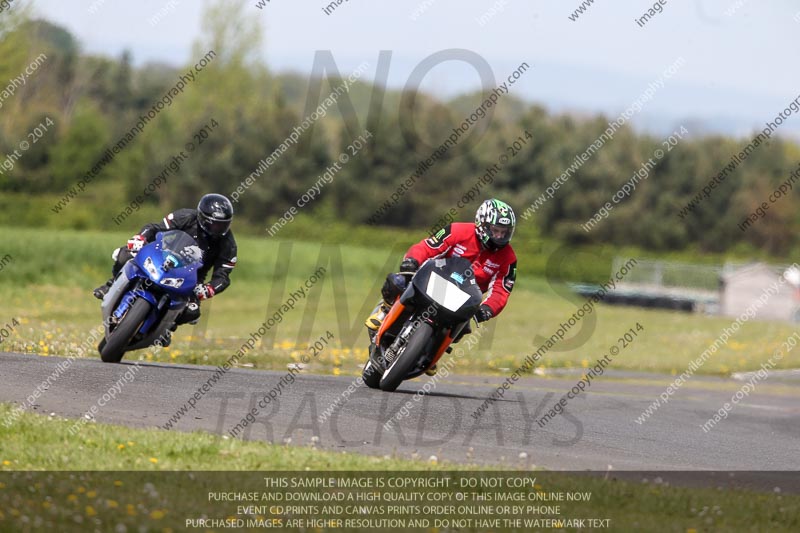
[79, 149]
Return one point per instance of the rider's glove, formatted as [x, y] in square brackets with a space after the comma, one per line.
[203, 292]
[409, 264]
[484, 313]
[136, 243]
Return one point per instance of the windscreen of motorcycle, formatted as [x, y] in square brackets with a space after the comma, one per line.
[445, 293]
[181, 248]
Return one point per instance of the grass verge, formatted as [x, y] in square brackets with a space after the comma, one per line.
[116, 478]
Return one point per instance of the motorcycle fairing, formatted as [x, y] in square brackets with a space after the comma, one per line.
[171, 256]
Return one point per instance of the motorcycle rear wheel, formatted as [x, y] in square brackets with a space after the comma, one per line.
[401, 366]
[113, 349]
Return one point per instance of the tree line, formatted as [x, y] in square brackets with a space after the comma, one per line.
[93, 100]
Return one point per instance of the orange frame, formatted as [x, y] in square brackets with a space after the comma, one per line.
[396, 310]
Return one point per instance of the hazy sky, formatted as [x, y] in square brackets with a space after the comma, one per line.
[739, 66]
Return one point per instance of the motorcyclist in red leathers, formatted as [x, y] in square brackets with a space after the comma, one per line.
[485, 243]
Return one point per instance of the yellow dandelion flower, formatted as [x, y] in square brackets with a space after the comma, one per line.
[118, 483]
[6, 463]
[90, 511]
[157, 514]
[131, 443]
[130, 509]
[120, 447]
[72, 498]
[336, 371]
[111, 504]
[91, 494]
[81, 490]
[47, 505]
[153, 460]
[585, 363]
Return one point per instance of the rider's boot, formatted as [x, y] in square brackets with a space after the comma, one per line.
[101, 291]
[376, 318]
[166, 338]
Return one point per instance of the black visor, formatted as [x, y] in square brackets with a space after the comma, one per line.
[214, 226]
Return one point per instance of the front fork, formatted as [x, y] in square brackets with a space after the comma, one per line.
[112, 299]
[398, 345]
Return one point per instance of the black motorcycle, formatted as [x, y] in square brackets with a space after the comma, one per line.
[434, 309]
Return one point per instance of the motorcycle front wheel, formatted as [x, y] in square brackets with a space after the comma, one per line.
[371, 376]
[404, 362]
[112, 348]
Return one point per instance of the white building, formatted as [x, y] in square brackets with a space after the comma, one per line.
[742, 286]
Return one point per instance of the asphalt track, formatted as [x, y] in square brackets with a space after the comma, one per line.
[597, 432]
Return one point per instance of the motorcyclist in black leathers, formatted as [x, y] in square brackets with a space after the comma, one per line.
[209, 225]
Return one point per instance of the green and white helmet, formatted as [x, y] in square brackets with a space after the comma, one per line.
[495, 223]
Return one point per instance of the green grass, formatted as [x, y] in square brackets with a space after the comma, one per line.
[47, 288]
[37, 442]
[116, 475]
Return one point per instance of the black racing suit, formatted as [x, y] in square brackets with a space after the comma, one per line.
[219, 254]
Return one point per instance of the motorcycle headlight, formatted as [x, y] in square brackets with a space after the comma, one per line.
[175, 283]
[151, 268]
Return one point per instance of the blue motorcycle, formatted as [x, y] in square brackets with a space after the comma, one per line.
[149, 293]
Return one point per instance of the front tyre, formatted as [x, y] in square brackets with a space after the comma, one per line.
[112, 348]
[404, 362]
[371, 376]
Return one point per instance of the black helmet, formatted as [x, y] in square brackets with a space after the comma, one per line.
[214, 214]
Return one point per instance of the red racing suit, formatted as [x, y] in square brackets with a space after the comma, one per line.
[495, 270]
